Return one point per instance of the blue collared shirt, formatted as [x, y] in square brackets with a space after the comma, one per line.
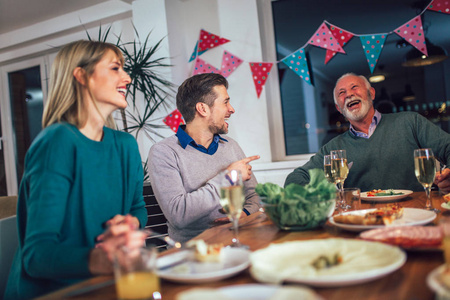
[185, 140]
[375, 120]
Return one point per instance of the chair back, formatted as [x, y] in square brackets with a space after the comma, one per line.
[9, 242]
[156, 222]
[8, 206]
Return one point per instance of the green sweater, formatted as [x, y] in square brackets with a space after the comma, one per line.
[386, 159]
[70, 187]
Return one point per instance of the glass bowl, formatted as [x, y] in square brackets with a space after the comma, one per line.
[295, 215]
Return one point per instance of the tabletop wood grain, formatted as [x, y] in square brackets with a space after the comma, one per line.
[257, 231]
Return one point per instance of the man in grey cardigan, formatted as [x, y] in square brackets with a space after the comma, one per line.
[185, 169]
[379, 147]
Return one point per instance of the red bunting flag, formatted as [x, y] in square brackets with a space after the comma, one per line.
[203, 67]
[323, 38]
[342, 37]
[174, 119]
[260, 72]
[442, 6]
[412, 32]
[229, 63]
[209, 40]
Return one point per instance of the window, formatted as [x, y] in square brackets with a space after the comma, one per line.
[307, 113]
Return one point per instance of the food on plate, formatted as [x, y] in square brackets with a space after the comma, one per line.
[407, 237]
[206, 252]
[377, 193]
[327, 261]
[380, 216]
[447, 197]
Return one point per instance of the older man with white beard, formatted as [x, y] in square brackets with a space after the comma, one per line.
[380, 148]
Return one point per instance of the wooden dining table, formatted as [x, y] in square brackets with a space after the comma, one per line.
[257, 231]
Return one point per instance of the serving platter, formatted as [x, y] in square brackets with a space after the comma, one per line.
[362, 261]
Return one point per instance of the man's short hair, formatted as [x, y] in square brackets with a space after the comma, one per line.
[198, 88]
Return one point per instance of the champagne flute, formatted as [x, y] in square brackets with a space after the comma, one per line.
[339, 172]
[327, 168]
[232, 199]
[425, 170]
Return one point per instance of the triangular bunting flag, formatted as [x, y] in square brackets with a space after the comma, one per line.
[260, 72]
[209, 40]
[442, 6]
[412, 32]
[324, 39]
[372, 45]
[195, 54]
[229, 63]
[297, 62]
[203, 67]
[342, 37]
[173, 120]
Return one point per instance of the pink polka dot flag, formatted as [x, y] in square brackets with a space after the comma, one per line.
[323, 38]
[412, 32]
[342, 37]
[260, 72]
[442, 6]
[229, 63]
[203, 67]
[372, 45]
[209, 40]
[173, 120]
[297, 62]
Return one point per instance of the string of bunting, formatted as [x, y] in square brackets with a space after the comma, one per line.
[327, 36]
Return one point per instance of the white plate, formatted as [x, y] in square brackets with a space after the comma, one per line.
[411, 216]
[436, 285]
[233, 261]
[251, 292]
[445, 205]
[291, 262]
[386, 198]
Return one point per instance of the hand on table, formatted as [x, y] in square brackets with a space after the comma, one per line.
[243, 166]
[442, 180]
[224, 220]
[121, 233]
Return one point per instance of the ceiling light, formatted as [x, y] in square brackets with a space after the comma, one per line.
[377, 78]
[415, 58]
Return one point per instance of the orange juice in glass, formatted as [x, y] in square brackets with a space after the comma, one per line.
[135, 275]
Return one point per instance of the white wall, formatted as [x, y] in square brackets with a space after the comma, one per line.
[179, 23]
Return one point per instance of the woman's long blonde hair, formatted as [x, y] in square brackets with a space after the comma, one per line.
[65, 101]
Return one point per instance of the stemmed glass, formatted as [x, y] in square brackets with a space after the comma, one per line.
[327, 168]
[232, 199]
[339, 172]
[425, 170]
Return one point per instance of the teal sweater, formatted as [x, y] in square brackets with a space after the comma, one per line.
[386, 159]
[70, 187]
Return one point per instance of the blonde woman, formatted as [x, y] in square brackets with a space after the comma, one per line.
[81, 177]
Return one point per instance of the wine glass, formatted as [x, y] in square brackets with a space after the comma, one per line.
[232, 199]
[339, 172]
[425, 170]
[327, 168]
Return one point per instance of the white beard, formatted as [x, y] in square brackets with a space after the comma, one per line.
[357, 115]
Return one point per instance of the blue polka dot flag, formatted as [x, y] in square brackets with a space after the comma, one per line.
[196, 53]
[297, 62]
[372, 45]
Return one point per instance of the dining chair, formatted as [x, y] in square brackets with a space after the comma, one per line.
[8, 245]
[156, 221]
